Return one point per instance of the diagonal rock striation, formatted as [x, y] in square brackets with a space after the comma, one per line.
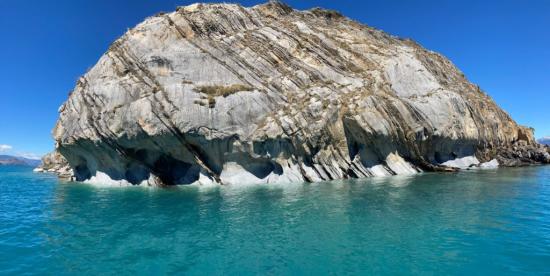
[220, 93]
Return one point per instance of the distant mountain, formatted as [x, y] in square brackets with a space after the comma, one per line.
[544, 140]
[18, 161]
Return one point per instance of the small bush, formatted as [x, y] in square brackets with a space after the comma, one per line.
[211, 102]
[201, 103]
[224, 91]
[326, 104]
[328, 14]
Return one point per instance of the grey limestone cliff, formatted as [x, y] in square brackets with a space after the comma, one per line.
[220, 93]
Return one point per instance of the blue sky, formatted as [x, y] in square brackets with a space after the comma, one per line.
[504, 46]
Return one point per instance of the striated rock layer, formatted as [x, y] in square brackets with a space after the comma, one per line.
[226, 94]
[55, 162]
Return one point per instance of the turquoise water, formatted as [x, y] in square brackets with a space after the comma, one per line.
[485, 222]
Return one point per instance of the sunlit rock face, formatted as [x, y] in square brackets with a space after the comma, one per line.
[220, 93]
[55, 162]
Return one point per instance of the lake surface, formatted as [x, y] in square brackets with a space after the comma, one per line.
[482, 222]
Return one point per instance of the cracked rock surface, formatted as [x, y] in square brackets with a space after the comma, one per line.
[55, 162]
[220, 93]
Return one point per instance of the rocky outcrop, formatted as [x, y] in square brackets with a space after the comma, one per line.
[56, 163]
[219, 93]
[522, 153]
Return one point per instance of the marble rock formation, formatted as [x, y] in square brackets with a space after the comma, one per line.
[220, 93]
[56, 163]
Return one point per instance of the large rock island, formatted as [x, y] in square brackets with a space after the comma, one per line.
[220, 93]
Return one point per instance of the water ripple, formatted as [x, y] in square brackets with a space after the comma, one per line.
[483, 222]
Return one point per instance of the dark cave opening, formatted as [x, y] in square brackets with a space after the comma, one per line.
[136, 173]
[82, 172]
[262, 168]
[175, 172]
